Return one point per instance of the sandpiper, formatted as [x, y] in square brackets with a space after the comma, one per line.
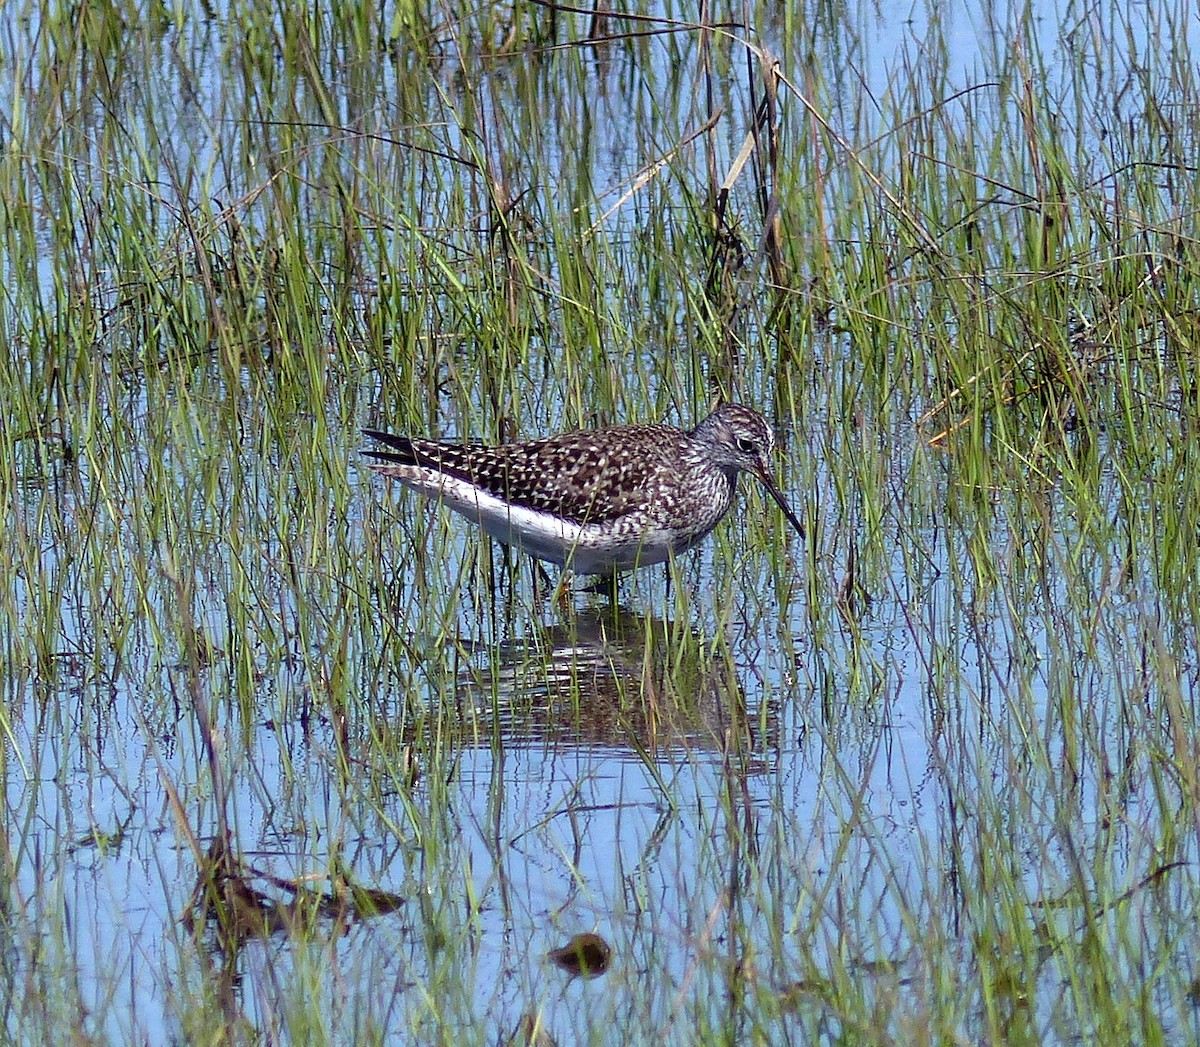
[597, 501]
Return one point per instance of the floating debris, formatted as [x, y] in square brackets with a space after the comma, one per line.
[586, 954]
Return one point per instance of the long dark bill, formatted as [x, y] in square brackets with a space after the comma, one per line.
[775, 493]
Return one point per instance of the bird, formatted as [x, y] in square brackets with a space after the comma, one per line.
[595, 501]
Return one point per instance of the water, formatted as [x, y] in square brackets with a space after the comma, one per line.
[734, 790]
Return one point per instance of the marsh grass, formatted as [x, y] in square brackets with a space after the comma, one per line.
[930, 775]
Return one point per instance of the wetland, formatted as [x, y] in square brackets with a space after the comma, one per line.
[292, 755]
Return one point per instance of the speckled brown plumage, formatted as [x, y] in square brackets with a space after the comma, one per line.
[587, 476]
[603, 499]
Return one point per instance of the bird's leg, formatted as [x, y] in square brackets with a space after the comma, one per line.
[613, 585]
[541, 578]
[604, 585]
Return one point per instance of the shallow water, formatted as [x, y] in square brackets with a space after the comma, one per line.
[731, 784]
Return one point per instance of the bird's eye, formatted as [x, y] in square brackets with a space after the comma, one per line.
[745, 445]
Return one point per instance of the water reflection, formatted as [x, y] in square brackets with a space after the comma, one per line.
[620, 778]
[632, 682]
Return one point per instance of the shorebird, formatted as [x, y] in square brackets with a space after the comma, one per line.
[597, 501]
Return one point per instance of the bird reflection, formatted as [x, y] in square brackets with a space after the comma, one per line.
[615, 678]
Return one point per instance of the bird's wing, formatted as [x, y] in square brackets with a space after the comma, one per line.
[582, 476]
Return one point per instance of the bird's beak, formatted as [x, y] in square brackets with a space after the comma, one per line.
[763, 473]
